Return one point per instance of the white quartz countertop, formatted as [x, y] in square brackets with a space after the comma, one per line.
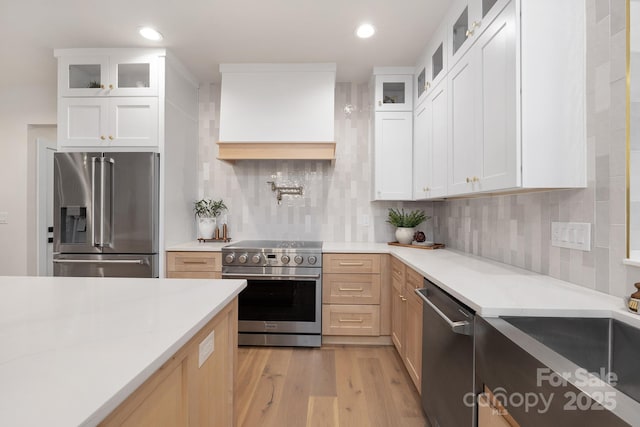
[491, 288]
[196, 246]
[495, 289]
[73, 349]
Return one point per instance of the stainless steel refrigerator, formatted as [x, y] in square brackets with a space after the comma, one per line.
[106, 214]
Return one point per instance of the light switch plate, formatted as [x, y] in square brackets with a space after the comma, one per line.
[205, 349]
[4, 217]
[572, 235]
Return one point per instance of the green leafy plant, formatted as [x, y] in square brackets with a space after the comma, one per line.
[207, 208]
[399, 218]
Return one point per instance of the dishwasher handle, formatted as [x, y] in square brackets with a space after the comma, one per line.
[462, 327]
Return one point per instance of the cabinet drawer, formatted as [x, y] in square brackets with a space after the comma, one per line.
[414, 279]
[194, 275]
[398, 270]
[351, 263]
[351, 320]
[351, 288]
[194, 261]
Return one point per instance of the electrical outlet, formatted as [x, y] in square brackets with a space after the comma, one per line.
[205, 349]
[572, 235]
[4, 217]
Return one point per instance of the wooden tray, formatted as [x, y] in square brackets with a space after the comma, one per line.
[430, 247]
[201, 240]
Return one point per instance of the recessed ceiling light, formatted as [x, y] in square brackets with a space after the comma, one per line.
[150, 34]
[365, 31]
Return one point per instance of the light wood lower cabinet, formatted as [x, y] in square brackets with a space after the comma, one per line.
[491, 413]
[194, 265]
[406, 318]
[398, 299]
[355, 298]
[182, 393]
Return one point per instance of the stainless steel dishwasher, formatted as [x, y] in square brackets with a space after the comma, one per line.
[448, 389]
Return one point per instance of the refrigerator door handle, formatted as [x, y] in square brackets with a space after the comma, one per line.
[104, 207]
[94, 161]
[101, 261]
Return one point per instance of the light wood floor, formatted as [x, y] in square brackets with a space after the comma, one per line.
[344, 386]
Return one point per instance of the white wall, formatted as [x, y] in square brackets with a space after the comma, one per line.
[20, 106]
[44, 133]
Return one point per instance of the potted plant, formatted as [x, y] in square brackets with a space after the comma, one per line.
[406, 223]
[207, 212]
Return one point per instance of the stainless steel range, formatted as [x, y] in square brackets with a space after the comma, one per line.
[282, 303]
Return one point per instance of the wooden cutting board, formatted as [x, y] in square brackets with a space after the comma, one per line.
[430, 247]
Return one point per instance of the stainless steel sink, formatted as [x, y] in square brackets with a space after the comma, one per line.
[585, 368]
[601, 346]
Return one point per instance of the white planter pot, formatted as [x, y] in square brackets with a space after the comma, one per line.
[405, 235]
[207, 227]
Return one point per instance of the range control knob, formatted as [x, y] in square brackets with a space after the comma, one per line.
[312, 260]
[229, 258]
[285, 259]
[256, 258]
[297, 259]
[242, 259]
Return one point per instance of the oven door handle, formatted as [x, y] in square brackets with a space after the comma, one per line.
[269, 276]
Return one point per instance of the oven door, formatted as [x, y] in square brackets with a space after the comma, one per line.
[279, 300]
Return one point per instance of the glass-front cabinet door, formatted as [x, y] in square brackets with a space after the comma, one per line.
[467, 20]
[422, 80]
[108, 76]
[393, 93]
[83, 76]
[133, 76]
[432, 66]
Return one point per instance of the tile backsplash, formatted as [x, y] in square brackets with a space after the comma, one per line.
[335, 205]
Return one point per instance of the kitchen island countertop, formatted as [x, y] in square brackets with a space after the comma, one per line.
[73, 349]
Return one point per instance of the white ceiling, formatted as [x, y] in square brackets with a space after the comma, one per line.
[205, 33]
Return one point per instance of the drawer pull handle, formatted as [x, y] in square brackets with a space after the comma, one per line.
[351, 264]
[202, 261]
[351, 289]
[351, 320]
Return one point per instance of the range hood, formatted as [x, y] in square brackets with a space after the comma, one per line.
[277, 111]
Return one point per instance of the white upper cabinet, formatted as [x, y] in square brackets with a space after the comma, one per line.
[483, 139]
[393, 92]
[393, 133]
[393, 155]
[108, 122]
[430, 146]
[106, 74]
[110, 98]
[464, 167]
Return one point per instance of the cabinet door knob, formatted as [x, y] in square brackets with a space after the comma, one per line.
[427, 85]
[468, 179]
[476, 179]
[102, 137]
[111, 137]
[403, 298]
[101, 86]
[472, 29]
[110, 86]
[427, 189]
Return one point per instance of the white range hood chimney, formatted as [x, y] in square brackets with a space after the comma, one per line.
[277, 111]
